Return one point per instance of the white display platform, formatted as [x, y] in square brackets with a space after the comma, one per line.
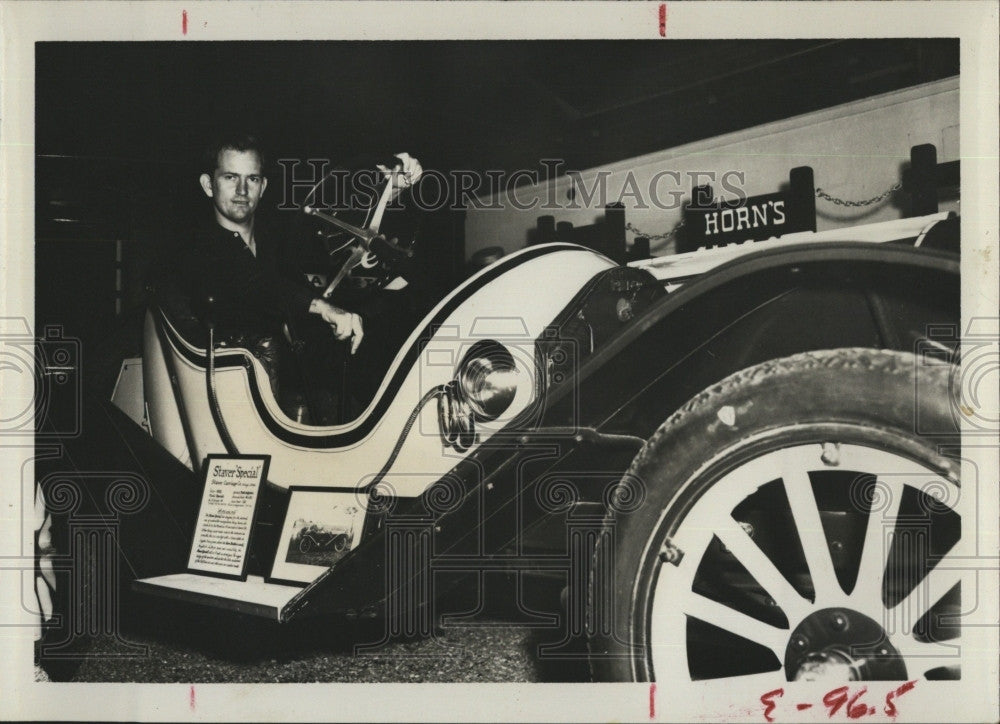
[253, 596]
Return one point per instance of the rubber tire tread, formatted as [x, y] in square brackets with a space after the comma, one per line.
[860, 386]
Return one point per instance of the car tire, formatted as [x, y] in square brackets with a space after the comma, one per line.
[45, 579]
[805, 460]
[59, 649]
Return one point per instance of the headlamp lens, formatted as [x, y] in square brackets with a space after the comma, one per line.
[487, 379]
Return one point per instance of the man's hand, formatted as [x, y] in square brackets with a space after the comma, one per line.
[405, 173]
[345, 324]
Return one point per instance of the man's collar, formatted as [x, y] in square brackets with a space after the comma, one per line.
[220, 232]
[211, 229]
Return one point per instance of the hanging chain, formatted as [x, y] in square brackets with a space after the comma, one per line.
[820, 193]
[655, 237]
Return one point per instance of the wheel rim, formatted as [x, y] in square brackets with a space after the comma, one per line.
[722, 587]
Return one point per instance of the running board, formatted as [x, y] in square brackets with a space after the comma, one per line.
[253, 596]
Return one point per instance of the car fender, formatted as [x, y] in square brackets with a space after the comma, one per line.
[766, 305]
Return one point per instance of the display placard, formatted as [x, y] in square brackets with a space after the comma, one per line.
[322, 525]
[225, 519]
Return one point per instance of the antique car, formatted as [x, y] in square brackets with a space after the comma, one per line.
[311, 540]
[741, 462]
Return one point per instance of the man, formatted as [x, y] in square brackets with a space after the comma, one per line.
[249, 272]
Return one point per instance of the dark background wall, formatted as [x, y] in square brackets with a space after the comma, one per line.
[474, 105]
[119, 126]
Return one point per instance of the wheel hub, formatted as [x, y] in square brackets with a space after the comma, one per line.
[829, 665]
[837, 644]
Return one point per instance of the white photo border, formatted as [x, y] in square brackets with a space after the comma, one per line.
[974, 698]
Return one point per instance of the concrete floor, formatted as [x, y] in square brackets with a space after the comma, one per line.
[176, 643]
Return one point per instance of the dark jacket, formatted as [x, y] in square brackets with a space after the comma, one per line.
[250, 292]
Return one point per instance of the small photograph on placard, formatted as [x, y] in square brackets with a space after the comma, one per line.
[321, 527]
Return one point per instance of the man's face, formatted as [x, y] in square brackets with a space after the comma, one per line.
[235, 187]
